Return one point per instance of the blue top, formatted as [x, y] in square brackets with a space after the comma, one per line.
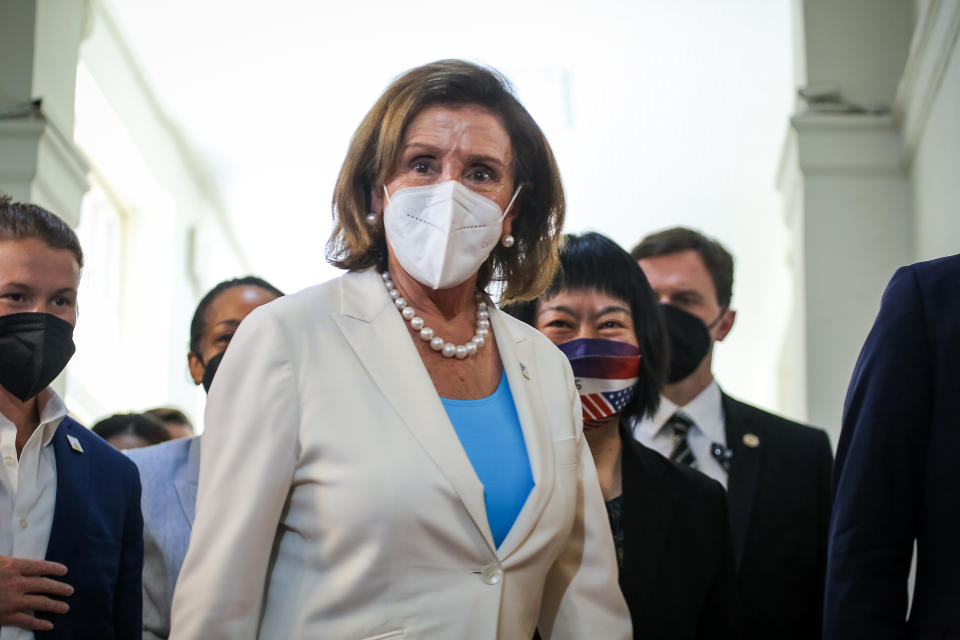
[489, 430]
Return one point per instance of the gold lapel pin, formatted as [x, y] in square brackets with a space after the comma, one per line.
[75, 444]
[751, 440]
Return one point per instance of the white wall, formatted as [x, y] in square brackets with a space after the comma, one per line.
[936, 167]
[847, 195]
[154, 237]
[660, 114]
[868, 193]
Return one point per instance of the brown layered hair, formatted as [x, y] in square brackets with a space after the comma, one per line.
[20, 220]
[525, 269]
[716, 258]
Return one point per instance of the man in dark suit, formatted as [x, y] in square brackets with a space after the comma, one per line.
[71, 546]
[777, 472]
[898, 468]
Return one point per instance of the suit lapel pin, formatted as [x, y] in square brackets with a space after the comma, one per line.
[75, 444]
[751, 440]
[523, 370]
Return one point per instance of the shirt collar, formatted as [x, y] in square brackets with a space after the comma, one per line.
[52, 413]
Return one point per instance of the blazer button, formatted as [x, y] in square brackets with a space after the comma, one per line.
[491, 574]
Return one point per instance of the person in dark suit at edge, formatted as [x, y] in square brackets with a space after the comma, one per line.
[669, 522]
[71, 544]
[898, 468]
[777, 472]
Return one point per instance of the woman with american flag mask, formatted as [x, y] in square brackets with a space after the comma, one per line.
[669, 522]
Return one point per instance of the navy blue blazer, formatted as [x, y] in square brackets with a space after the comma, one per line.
[97, 532]
[897, 472]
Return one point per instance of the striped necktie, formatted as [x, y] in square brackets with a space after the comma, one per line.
[679, 427]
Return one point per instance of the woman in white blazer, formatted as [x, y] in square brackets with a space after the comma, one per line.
[387, 455]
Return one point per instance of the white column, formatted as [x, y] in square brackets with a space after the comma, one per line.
[847, 195]
[927, 106]
[39, 44]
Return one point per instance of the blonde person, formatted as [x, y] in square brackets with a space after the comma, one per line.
[387, 455]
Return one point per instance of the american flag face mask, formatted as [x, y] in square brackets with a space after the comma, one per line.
[606, 373]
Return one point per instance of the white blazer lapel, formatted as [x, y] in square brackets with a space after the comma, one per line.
[518, 357]
[381, 341]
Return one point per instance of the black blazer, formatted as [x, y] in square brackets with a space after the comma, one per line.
[97, 532]
[898, 468]
[678, 567]
[778, 490]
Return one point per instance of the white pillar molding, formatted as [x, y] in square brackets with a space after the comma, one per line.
[40, 165]
[846, 193]
[39, 161]
[848, 206]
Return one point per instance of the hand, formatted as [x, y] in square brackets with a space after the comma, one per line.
[23, 588]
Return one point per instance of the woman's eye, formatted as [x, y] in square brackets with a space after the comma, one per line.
[612, 324]
[61, 301]
[224, 339]
[13, 297]
[421, 165]
[559, 324]
[480, 174]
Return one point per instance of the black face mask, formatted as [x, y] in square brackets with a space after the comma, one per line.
[689, 342]
[210, 370]
[34, 349]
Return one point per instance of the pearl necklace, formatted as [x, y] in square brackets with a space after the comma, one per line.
[447, 349]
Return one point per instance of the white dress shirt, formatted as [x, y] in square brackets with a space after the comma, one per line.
[28, 490]
[706, 412]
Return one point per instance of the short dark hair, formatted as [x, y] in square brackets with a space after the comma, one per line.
[20, 221]
[169, 415]
[375, 152]
[716, 258]
[200, 315]
[593, 261]
[149, 428]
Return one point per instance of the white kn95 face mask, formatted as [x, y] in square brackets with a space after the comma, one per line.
[441, 233]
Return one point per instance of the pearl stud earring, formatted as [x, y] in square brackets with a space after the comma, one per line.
[371, 219]
[507, 241]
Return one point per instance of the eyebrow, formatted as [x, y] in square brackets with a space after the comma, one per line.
[693, 293]
[421, 146]
[233, 322]
[614, 308]
[560, 308]
[21, 285]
